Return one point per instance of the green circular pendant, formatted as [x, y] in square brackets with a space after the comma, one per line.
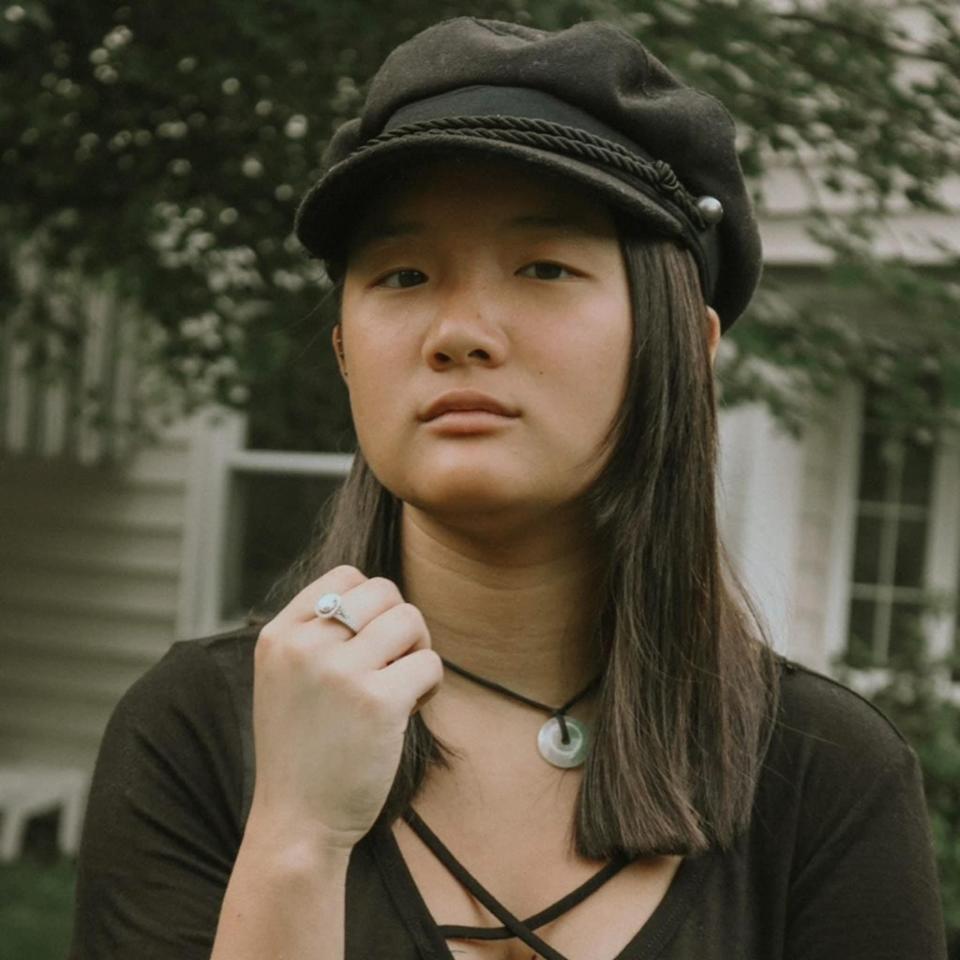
[555, 751]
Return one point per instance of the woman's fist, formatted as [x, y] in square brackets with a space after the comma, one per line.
[330, 708]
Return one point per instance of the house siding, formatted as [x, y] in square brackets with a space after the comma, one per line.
[825, 521]
[90, 571]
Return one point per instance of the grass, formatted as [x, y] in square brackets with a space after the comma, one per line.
[36, 903]
[36, 900]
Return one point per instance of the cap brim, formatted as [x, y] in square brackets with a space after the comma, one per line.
[329, 210]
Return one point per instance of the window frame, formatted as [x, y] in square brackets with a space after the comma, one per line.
[213, 530]
[941, 557]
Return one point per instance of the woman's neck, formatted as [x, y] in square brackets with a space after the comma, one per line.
[518, 610]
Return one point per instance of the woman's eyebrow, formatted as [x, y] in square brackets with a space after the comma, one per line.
[379, 231]
[564, 221]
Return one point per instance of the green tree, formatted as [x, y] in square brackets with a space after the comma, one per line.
[161, 149]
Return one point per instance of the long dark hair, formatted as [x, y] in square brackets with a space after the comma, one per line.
[690, 685]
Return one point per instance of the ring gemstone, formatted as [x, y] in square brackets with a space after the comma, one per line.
[327, 605]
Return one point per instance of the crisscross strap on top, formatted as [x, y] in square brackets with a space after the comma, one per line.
[512, 926]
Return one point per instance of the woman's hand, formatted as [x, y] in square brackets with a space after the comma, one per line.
[330, 708]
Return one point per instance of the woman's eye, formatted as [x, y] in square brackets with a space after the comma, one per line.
[545, 270]
[400, 279]
[541, 270]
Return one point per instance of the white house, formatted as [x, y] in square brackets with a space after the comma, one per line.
[102, 568]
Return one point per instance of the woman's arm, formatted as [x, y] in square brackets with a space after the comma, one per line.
[163, 823]
[160, 857]
[165, 846]
[869, 890]
[286, 897]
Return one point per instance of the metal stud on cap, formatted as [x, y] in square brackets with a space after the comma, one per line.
[711, 209]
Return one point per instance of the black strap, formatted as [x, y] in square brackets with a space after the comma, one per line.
[564, 904]
[558, 712]
[512, 926]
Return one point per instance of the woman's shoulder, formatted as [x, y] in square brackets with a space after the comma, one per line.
[190, 712]
[192, 672]
[832, 752]
[840, 830]
[196, 698]
[820, 715]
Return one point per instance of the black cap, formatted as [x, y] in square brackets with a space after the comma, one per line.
[589, 103]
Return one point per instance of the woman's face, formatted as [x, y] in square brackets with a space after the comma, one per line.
[485, 277]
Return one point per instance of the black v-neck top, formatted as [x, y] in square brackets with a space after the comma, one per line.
[837, 863]
[645, 944]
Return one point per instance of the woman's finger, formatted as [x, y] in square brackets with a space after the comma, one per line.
[410, 680]
[362, 605]
[395, 632]
[302, 607]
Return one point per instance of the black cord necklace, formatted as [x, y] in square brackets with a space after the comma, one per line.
[562, 741]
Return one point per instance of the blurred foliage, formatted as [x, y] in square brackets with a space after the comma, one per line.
[161, 149]
[916, 696]
[36, 908]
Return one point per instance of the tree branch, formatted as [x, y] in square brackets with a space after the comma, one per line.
[924, 53]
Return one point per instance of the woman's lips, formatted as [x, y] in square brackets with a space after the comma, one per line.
[468, 421]
[465, 401]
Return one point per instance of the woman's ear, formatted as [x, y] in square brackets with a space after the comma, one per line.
[713, 321]
[338, 351]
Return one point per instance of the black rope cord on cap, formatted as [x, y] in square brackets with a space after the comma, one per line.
[558, 138]
[558, 712]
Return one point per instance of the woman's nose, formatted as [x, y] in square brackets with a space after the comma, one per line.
[466, 328]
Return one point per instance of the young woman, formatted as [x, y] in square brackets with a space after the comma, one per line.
[515, 707]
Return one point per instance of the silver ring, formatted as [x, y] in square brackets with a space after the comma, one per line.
[330, 606]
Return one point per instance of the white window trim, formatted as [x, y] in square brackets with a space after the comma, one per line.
[211, 536]
[942, 555]
[849, 409]
[759, 493]
[943, 544]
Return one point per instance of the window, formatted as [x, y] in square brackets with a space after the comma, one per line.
[277, 481]
[905, 556]
[261, 479]
[955, 640]
[276, 507]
